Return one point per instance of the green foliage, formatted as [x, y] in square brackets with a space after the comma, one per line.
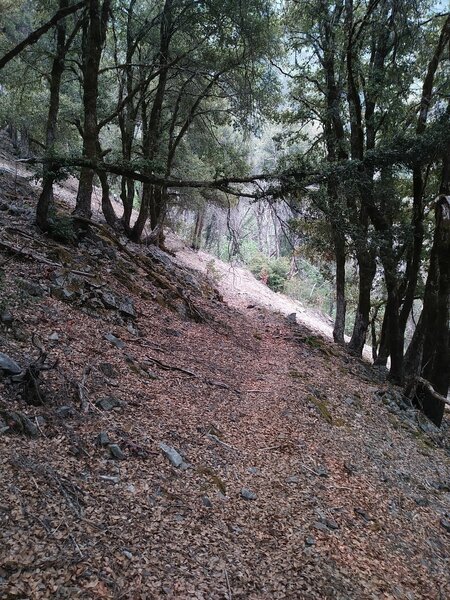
[272, 271]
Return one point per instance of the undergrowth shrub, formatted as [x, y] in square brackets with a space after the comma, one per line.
[271, 271]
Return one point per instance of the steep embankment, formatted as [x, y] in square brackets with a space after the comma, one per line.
[301, 476]
[240, 288]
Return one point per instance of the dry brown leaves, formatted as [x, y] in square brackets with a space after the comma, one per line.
[345, 508]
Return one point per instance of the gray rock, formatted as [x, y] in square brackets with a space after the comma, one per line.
[351, 401]
[362, 513]
[442, 486]
[20, 335]
[206, 502]
[159, 256]
[445, 523]
[127, 554]
[102, 439]
[310, 541]
[20, 423]
[8, 365]
[248, 494]
[133, 330]
[54, 337]
[179, 518]
[426, 425]
[111, 478]
[109, 300]
[110, 252]
[322, 471]
[171, 454]
[115, 341]
[62, 293]
[95, 304]
[31, 288]
[40, 420]
[253, 470]
[317, 392]
[393, 399]
[126, 307]
[173, 332]
[292, 479]
[350, 469]
[7, 318]
[421, 501]
[108, 370]
[16, 211]
[326, 524]
[123, 305]
[116, 452]
[108, 403]
[3, 426]
[292, 318]
[151, 374]
[331, 524]
[65, 412]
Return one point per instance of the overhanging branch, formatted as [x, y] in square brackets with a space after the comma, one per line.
[38, 33]
[406, 152]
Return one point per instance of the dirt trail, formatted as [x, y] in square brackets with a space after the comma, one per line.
[301, 478]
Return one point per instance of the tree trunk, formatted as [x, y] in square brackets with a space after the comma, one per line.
[107, 207]
[151, 196]
[211, 232]
[414, 352]
[383, 350]
[127, 197]
[367, 270]
[127, 119]
[136, 231]
[395, 338]
[46, 197]
[198, 229]
[341, 305]
[413, 266]
[94, 36]
[435, 315]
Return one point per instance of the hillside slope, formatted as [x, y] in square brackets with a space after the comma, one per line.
[187, 448]
[240, 288]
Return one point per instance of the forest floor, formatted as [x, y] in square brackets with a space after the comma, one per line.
[301, 473]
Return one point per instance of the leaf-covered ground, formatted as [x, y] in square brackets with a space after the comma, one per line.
[348, 492]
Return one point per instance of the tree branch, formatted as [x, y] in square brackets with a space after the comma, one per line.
[38, 33]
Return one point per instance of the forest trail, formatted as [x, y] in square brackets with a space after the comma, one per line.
[303, 476]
